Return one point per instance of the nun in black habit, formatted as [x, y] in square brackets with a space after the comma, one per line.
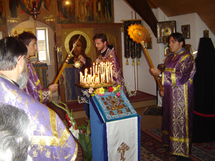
[204, 93]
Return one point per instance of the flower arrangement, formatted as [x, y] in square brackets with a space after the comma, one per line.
[100, 91]
[81, 133]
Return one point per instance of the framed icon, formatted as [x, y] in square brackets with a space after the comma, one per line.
[164, 29]
[185, 29]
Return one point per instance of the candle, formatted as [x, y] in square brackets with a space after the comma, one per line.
[85, 72]
[96, 68]
[98, 77]
[93, 68]
[111, 72]
[107, 74]
[80, 77]
[102, 78]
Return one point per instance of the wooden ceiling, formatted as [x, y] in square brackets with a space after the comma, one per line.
[204, 8]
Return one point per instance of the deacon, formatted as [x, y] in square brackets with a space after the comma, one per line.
[107, 54]
[178, 98]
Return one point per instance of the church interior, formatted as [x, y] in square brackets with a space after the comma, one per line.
[60, 20]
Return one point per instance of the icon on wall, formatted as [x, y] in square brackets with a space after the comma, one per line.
[185, 29]
[164, 29]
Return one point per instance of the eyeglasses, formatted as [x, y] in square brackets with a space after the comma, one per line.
[96, 43]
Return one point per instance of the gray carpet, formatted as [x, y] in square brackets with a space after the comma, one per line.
[154, 111]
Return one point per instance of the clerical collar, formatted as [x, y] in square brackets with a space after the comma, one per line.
[180, 51]
[5, 77]
[104, 52]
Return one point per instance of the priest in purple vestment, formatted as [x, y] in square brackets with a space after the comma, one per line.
[107, 54]
[34, 87]
[178, 98]
[51, 140]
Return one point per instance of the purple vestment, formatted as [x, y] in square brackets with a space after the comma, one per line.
[34, 87]
[111, 57]
[178, 104]
[51, 140]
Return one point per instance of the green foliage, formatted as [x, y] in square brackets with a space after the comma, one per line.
[85, 140]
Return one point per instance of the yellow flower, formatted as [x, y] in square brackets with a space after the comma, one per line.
[114, 88]
[118, 87]
[101, 90]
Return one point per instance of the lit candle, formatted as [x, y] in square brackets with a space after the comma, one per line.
[91, 71]
[93, 68]
[85, 72]
[102, 67]
[96, 68]
[80, 77]
[107, 74]
[111, 72]
[102, 78]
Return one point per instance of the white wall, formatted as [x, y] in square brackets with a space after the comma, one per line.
[144, 81]
[31, 23]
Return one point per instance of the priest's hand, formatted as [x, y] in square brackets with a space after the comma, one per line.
[161, 93]
[53, 87]
[155, 71]
[82, 59]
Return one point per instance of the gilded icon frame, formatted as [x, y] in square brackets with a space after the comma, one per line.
[185, 29]
[164, 29]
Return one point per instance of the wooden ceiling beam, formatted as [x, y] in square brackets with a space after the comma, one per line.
[143, 9]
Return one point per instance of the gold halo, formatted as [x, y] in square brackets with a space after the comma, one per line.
[71, 34]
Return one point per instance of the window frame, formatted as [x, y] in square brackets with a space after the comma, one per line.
[47, 45]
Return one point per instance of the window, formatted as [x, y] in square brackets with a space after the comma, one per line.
[1, 35]
[42, 45]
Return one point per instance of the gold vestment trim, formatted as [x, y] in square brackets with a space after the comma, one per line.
[173, 78]
[185, 56]
[41, 96]
[45, 140]
[184, 140]
[165, 132]
[75, 153]
[37, 82]
[170, 69]
[64, 137]
[53, 122]
[186, 113]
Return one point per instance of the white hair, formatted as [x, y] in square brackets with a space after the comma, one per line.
[15, 132]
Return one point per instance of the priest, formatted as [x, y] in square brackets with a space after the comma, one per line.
[51, 140]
